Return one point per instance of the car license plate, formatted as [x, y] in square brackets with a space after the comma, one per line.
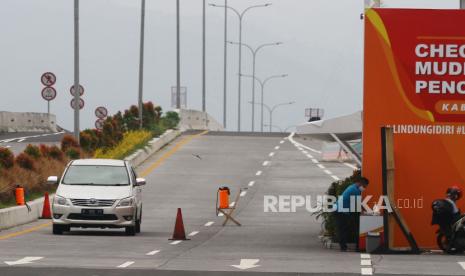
[92, 212]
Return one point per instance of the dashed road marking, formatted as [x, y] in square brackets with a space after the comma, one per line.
[271, 154]
[151, 253]
[367, 271]
[251, 183]
[243, 193]
[350, 166]
[282, 142]
[220, 214]
[210, 223]
[315, 161]
[232, 204]
[321, 166]
[276, 148]
[462, 264]
[266, 163]
[335, 177]
[328, 172]
[126, 264]
[365, 262]
[310, 156]
[175, 242]
[305, 152]
[193, 233]
[21, 140]
[365, 256]
[291, 138]
[258, 173]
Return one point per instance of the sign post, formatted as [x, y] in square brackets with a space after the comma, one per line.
[48, 79]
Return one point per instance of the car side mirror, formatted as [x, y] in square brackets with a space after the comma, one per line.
[52, 180]
[140, 182]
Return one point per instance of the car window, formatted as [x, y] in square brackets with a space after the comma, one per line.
[96, 175]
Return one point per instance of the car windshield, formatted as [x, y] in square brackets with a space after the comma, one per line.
[96, 175]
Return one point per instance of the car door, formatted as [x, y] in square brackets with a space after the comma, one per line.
[137, 190]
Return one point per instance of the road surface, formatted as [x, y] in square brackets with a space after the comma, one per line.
[17, 141]
[186, 175]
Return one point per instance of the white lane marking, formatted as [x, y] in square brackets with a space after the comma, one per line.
[247, 264]
[462, 264]
[266, 163]
[315, 161]
[8, 147]
[309, 156]
[175, 242]
[243, 193]
[321, 166]
[25, 260]
[251, 183]
[282, 142]
[193, 233]
[232, 204]
[365, 256]
[151, 253]
[21, 140]
[365, 262]
[126, 264]
[271, 154]
[210, 223]
[220, 214]
[328, 172]
[291, 138]
[305, 152]
[276, 148]
[258, 173]
[367, 271]
[335, 177]
[350, 166]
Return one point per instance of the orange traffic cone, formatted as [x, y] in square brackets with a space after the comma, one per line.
[179, 232]
[46, 212]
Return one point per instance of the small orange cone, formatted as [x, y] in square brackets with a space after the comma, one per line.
[46, 212]
[179, 232]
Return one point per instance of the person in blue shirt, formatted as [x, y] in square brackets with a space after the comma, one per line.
[346, 212]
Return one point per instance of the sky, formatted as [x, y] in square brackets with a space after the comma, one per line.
[322, 52]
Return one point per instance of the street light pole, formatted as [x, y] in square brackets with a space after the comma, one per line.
[241, 17]
[263, 84]
[272, 109]
[254, 58]
[178, 58]
[225, 62]
[141, 63]
[76, 71]
[204, 108]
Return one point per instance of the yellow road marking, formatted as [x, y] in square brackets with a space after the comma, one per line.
[25, 231]
[172, 151]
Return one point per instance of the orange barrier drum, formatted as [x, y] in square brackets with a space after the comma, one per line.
[19, 193]
[224, 197]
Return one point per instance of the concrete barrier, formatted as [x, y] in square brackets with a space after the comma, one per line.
[27, 122]
[197, 120]
[18, 215]
[154, 145]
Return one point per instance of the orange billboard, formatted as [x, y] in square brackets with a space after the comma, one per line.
[414, 82]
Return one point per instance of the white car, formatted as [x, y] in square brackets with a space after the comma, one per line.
[97, 193]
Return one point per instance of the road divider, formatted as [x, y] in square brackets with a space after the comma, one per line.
[18, 215]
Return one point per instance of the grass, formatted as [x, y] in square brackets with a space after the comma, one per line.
[131, 142]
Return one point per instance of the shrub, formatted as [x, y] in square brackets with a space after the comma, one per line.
[132, 141]
[171, 120]
[73, 153]
[44, 150]
[55, 153]
[33, 151]
[67, 142]
[25, 161]
[6, 158]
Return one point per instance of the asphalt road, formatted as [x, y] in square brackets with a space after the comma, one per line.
[187, 175]
[17, 141]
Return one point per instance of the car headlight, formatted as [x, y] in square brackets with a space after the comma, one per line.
[59, 200]
[128, 201]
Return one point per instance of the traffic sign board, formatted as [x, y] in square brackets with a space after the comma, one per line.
[48, 79]
[101, 112]
[81, 104]
[99, 124]
[49, 93]
[81, 90]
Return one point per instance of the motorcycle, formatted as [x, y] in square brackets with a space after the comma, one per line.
[450, 237]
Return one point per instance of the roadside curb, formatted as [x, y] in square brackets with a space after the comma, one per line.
[153, 146]
[19, 215]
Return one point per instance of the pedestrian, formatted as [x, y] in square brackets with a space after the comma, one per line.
[345, 214]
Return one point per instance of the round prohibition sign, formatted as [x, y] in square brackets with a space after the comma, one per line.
[48, 79]
[99, 124]
[101, 112]
[49, 93]
[81, 90]
[81, 104]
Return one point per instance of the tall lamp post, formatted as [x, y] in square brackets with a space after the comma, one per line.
[141, 62]
[76, 71]
[241, 17]
[272, 109]
[204, 88]
[254, 56]
[178, 57]
[263, 84]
